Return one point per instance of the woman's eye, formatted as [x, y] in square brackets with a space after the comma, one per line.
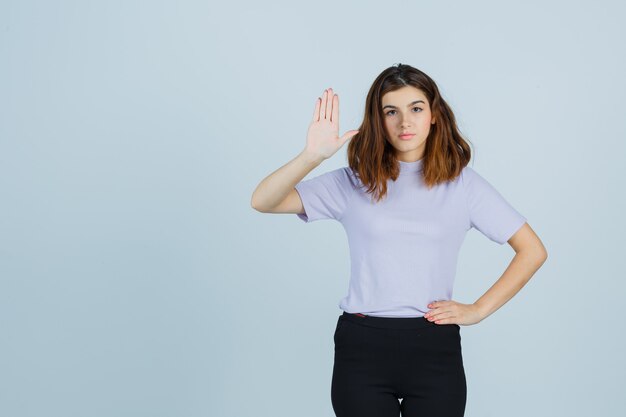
[389, 112]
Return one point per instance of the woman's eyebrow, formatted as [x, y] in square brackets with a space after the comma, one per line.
[408, 105]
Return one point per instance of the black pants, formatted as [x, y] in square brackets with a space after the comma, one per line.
[380, 360]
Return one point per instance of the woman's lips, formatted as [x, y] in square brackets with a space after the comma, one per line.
[407, 136]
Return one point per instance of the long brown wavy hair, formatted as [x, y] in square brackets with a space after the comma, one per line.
[372, 158]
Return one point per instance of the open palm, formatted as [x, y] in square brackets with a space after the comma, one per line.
[323, 134]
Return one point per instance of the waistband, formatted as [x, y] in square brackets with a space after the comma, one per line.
[389, 322]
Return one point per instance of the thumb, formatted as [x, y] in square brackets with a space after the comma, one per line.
[348, 135]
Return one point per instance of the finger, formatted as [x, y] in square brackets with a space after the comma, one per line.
[316, 112]
[334, 116]
[445, 320]
[348, 135]
[435, 313]
[323, 105]
[329, 102]
[440, 318]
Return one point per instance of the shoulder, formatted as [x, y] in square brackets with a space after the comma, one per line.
[467, 173]
[352, 178]
[344, 175]
[471, 178]
[342, 178]
[474, 184]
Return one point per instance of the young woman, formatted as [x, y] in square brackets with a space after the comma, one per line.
[406, 201]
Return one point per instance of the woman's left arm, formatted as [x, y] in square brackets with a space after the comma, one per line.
[530, 254]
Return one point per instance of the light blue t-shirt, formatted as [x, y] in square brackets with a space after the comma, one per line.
[404, 248]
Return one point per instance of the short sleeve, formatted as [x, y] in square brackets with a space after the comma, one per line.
[325, 196]
[489, 212]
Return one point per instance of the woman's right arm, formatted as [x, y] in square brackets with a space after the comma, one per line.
[277, 193]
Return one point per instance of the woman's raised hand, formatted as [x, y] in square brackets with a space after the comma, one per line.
[323, 134]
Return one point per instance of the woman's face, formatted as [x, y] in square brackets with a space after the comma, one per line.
[407, 111]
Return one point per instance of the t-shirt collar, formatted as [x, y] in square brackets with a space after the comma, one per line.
[414, 166]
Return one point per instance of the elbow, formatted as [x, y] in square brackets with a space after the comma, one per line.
[260, 210]
[540, 255]
[542, 252]
[255, 205]
[534, 254]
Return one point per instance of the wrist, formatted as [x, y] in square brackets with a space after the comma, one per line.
[311, 158]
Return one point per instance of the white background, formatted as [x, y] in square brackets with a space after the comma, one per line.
[136, 279]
